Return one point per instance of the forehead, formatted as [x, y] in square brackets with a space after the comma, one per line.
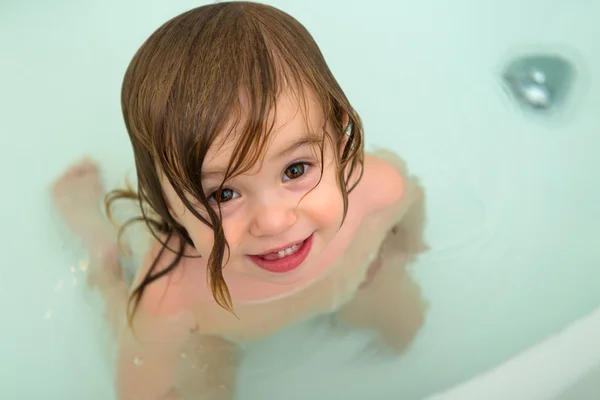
[293, 118]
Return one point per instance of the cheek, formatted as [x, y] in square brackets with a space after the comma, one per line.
[201, 235]
[235, 229]
[326, 206]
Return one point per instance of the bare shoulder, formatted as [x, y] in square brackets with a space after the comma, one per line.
[168, 295]
[385, 182]
[398, 197]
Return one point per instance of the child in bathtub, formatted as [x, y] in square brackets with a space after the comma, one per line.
[264, 210]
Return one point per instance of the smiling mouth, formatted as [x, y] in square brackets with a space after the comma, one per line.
[288, 251]
[286, 259]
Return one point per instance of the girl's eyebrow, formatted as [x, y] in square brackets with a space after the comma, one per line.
[305, 140]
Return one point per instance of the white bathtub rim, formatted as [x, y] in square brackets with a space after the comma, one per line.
[541, 372]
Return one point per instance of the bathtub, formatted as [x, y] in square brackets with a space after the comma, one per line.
[565, 366]
[513, 277]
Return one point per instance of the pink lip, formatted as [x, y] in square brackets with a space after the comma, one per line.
[288, 263]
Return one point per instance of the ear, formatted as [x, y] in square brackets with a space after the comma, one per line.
[344, 138]
[345, 119]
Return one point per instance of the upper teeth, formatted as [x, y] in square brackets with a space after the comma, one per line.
[287, 252]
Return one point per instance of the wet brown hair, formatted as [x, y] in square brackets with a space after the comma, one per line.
[184, 87]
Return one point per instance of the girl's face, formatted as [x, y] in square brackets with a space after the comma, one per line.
[277, 217]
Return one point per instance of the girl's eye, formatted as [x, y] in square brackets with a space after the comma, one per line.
[295, 171]
[223, 196]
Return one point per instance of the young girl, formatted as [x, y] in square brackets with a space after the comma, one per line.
[263, 209]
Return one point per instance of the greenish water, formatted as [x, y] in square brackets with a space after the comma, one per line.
[514, 201]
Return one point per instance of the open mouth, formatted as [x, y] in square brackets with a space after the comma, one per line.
[284, 260]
